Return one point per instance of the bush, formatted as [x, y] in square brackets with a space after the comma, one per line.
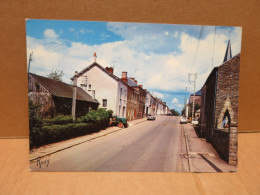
[34, 118]
[54, 133]
[97, 116]
[59, 120]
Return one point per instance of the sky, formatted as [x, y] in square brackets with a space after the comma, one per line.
[159, 56]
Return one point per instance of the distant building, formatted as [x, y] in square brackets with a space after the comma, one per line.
[55, 97]
[104, 86]
[219, 107]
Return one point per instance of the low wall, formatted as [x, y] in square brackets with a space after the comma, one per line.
[225, 143]
[221, 143]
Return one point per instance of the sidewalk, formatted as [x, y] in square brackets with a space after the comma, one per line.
[62, 145]
[202, 156]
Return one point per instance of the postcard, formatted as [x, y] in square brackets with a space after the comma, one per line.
[132, 97]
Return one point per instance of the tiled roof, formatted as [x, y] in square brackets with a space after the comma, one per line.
[131, 83]
[61, 89]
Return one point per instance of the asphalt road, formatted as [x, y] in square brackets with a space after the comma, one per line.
[148, 146]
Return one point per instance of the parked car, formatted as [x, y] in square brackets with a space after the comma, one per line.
[151, 117]
[183, 120]
[118, 121]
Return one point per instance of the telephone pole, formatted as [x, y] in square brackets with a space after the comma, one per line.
[194, 87]
[73, 113]
[30, 59]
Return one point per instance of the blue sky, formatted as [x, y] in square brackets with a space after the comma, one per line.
[159, 56]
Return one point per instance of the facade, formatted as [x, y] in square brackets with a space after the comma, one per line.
[55, 97]
[141, 102]
[148, 105]
[219, 107]
[103, 85]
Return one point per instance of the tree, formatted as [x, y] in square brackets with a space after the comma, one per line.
[56, 75]
[174, 112]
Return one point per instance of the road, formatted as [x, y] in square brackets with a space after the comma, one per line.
[148, 146]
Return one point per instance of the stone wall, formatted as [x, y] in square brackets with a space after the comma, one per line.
[221, 143]
[227, 91]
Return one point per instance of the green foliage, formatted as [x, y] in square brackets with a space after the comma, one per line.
[34, 114]
[59, 120]
[53, 133]
[56, 75]
[97, 116]
[174, 112]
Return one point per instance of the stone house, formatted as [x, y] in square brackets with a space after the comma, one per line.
[55, 97]
[104, 86]
[219, 107]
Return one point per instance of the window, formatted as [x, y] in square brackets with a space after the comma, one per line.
[120, 93]
[104, 102]
[89, 86]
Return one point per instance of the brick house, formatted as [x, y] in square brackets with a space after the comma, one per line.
[55, 97]
[219, 107]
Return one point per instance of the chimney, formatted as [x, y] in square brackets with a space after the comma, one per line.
[93, 94]
[110, 70]
[124, 76]
[95, 57]
[135, 81]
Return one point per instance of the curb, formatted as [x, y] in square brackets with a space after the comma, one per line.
[59, 150]
[188, 150]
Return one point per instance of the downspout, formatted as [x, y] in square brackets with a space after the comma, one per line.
[214, 109]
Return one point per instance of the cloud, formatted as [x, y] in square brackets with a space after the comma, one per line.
[174, 100]
[159, 72]
[49, 33]
[157, 94]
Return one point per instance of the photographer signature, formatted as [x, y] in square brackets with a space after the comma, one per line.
[40, 162]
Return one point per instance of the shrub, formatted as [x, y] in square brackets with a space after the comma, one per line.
[59, 120]
[97, 116]
[34, 118]
[53, 133]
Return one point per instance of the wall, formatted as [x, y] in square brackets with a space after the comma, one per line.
[105, 87]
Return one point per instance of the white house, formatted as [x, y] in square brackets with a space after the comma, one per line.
[148, 109]
[104, 86]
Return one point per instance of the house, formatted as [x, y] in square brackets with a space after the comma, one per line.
[141, 97]
[148, 103]
[132, 98]
[104, 86]
[219, 107]
[55, 97]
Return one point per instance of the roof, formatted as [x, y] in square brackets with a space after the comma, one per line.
[197, 93]
[131, 83]
[228, 54]
[102, 68]
[61, 89]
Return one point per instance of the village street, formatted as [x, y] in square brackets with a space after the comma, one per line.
[162, 145]
[148, 146]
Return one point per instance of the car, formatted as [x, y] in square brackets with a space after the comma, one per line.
[151, 117]
[183, 120]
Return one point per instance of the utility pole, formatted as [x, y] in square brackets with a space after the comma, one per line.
[30, 59]
[184, 109]
[193, 99]
[75, 78]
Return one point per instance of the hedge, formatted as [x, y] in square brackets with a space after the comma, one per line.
[53, 133]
